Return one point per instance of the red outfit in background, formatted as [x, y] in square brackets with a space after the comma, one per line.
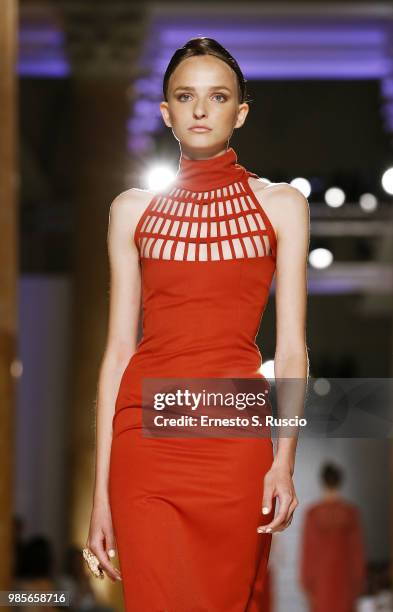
[332, 569]
[186, 510]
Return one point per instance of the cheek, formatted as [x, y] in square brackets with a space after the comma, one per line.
[225, 114]
[180, 118]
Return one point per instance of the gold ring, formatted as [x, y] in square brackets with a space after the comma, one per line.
[93, 563]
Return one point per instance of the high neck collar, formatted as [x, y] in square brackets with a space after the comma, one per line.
[211, 173]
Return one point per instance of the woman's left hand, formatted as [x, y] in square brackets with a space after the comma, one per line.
[278, 483]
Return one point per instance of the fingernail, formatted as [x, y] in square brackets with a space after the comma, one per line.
[111, 552]
[118, 577]
[265, 510]
[260, 529]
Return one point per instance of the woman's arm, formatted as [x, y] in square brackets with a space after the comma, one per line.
[124, 310]
[292, 225]
[291, 360]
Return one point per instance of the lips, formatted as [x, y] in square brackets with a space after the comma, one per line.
[199, 129]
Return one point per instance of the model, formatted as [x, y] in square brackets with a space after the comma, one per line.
[192, 518]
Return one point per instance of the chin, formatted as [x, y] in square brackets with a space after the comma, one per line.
[201, 143]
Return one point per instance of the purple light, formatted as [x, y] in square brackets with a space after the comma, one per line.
[303, 68]
[143, 106]
[41, 50]
[387, 87]
[147, 86]
[279, 35]
[56, 68]
[40, 36]
[139, 124]
[139, 143]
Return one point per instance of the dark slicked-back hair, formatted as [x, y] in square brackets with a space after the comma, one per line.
[205, 46]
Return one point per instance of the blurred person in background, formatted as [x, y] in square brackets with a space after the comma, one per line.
[332, 567]
[36, 572]
[77, 582]
[18, 545]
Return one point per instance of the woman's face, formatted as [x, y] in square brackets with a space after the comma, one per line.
[203, 91]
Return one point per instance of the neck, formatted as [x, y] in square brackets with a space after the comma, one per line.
[193, 155]
[331, 494]
[203, 174]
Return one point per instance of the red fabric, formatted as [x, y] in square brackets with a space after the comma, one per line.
[185, 510]
[267, 595]
[332, 570]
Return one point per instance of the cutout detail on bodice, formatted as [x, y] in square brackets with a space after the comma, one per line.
[225, 223]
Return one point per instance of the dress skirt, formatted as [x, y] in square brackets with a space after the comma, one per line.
[185, 513]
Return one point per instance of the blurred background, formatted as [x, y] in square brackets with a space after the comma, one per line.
[80, 86]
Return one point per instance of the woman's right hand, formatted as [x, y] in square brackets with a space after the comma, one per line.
[101, 539]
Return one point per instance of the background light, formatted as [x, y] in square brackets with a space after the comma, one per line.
[16, 368]
[159, 177]
[334, 197]
[368, 202]
[322, 386]
[320, 258]
[267, 369]
[387, 180]
[302, 184]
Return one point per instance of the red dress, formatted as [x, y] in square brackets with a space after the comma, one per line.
[333, 566]
[185, 511]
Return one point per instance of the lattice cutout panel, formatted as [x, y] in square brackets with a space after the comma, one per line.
[203, 226]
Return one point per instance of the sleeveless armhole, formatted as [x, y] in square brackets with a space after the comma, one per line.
[268, 223]
[142, 219]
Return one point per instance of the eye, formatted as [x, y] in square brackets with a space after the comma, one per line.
[182, 96]
[220, 95]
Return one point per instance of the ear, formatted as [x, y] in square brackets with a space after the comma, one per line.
[165, 113]
[242, 114]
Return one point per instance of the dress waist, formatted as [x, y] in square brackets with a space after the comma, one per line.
[202, 360]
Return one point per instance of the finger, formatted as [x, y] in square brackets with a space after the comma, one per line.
[288, 519]
[291, 509]
[280, 518]
[267, 500]
[110, 545]
[98, 549]
[285, 526]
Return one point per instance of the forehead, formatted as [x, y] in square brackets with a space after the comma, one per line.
[203, 71]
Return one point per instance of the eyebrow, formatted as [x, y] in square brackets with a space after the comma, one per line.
[186, 88]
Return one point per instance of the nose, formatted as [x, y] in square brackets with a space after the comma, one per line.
[199, 109]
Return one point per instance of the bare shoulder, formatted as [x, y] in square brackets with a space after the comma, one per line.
[131, 202]
[283, 203]
[284, 192]
[127, 208]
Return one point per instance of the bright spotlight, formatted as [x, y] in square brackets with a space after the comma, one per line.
[387, 180]
[159, 177]
[368, 202]
[267, 369]
[320, 258]
[334, 197]
[302, 184]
